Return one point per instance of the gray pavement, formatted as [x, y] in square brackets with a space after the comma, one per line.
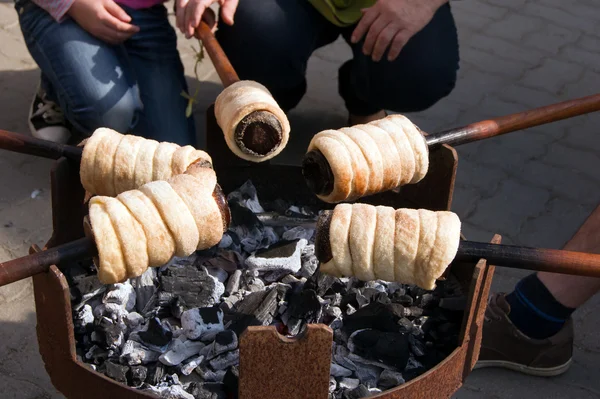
[534, 187]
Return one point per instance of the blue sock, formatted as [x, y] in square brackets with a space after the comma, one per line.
[534, 310]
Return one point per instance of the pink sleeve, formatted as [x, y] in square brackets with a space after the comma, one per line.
[56, 8]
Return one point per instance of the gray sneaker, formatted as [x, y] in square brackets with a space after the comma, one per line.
[46, 120]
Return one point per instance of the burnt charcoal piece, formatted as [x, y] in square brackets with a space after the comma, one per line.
[207, 390]
[456, 304]
[349, 383]
[180, 351]
[225, 341]
[194, 286]
[156, 372]
[404, 300]
[240, 321]
[203, 323]
[339, 371]
[390, 348]
[283, 256]
[156, 334]
[229, 261]
[137, 375]
[116, 371]
[324, 284]
[374, 316]
[233, 283]
[243, 217]
[304, 306]
[225, 360]
[417, 346]
[144, 289]
[359, 392]
[390, 379]
[231, 382]
[398, 310]
[135, 353]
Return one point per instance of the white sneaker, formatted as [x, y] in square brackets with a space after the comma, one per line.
[46, 120]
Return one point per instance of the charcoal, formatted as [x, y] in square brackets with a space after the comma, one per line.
[390, 379]
[121, 294]
[207, 390]
[414, 311]
[377, 285]
[303, 307]
[339, 371]
[261, 305]
[395, 289]
[195, 287]
[111, 311]
[350, 309]
[417, 347]
[84, 319]
[96, 354]
[202, 323]
[225, 360]
[89, 285]
[156, 372]
[309, 262]
[427, 300]
[340, 355]
[134, 353]
[373, 316]
[359, 392]
[334, 299]
[224, 341]
[133, 320]
[116, 371]
[226, 261]
[298, 232]
[171, 392]
[190, 365]
[324, 284]
[210, 375]
[386, 347]
[283, 256]
[457, 304]
[332, 384]
[231, 381]
[144, 289]
[233, 284]
[404, 300]
[398, 310]
[246, 196]
[138, 375]
[349, 383]
[179, 351]
[156, 333]
[368, 374]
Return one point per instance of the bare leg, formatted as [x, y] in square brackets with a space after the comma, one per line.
[574, 291]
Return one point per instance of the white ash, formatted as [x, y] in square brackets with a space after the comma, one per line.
[174, 330]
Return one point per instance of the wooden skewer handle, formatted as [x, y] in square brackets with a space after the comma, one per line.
[220, 61]
[27, 266]
[545, 260]
[30, 145]
[510, 123]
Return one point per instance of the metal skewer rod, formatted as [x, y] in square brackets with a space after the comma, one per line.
[513, 122]
[26, 144]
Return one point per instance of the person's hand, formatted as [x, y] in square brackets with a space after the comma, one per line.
[189, 13]
[103, 19]
[391, 23]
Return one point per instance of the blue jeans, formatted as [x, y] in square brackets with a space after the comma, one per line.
[271, 44]
[132, 88]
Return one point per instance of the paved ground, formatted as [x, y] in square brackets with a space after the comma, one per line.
[535, 187]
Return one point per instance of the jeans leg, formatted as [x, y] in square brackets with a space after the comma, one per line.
[424, 72]
[90, 79]
[271, 42]
[160, 75]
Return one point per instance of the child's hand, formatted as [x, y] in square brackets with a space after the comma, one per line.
[189, 13]
[103, 19]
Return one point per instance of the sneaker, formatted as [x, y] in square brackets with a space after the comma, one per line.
[46, 120]
[503, 345]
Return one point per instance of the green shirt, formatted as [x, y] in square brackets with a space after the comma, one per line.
[342, 12]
